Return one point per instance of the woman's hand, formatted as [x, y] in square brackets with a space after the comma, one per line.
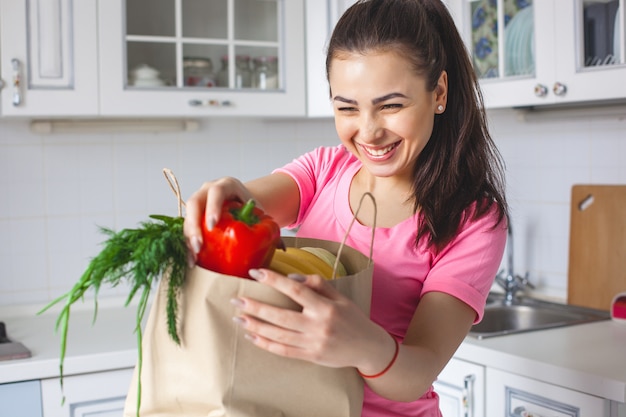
[276, 194]
[330, 330]
[208, 201]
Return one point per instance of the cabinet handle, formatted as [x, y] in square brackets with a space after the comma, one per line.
[559, 89]
[541, 90]
[17, 82]
[210, 103]
[468, 395]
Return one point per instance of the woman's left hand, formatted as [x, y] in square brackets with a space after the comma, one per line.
[330, 330]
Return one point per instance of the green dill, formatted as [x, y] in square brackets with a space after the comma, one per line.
[140, 257]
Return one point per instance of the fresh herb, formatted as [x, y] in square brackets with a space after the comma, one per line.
[139, 256]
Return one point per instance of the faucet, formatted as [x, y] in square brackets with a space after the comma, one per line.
[507, 279]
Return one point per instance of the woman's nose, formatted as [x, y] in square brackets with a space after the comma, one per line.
[370, 128]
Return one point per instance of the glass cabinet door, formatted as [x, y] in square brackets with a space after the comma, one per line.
[590, 62]
[199, 44]
[601, 33]
[502, 38]
[199, 58]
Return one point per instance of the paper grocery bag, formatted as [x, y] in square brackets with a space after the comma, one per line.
[217, 372]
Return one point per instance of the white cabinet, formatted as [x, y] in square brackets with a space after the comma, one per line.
[101, 393]
[48, 58]
[152, 58]
[545, 52]
[461, 389]
[20, 399]
[321, 18]
[181, 47]
[516, 396]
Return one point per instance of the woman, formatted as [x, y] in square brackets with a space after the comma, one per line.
[413, 133]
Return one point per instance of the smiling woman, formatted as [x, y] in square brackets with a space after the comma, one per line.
[410, 119]
[386, 124]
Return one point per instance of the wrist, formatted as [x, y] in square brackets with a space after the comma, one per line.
[389, 363]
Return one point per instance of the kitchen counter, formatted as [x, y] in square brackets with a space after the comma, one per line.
[588, 358]
[106, 344]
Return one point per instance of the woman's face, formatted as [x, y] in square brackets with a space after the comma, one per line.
[383, 112]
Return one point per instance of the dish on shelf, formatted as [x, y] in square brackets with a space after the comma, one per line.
[519, 46]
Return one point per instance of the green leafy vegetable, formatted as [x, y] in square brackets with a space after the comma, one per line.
[139, 256]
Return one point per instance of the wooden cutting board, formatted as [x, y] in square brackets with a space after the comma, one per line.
[597, 246]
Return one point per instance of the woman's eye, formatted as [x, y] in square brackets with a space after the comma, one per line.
[392, 106]
[346, 109]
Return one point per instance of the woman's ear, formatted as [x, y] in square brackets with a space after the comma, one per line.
[441, 93]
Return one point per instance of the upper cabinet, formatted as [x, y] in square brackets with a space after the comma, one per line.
[548, 52]
[48, 58]
[321, 17]
[202, 58]
[125, 58]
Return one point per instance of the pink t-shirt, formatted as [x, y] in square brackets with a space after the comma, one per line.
[465, 268]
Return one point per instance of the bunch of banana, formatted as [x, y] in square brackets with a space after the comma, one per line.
[306, 261]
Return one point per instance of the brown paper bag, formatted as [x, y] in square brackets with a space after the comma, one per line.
[217, 372]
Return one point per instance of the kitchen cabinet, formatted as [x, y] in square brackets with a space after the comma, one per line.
[152, 58]
[48, 58]
[545, 53]
[164, 58]
[516, 396]
[21, 399]
[98, 393]
[461, 389]
[321, 18]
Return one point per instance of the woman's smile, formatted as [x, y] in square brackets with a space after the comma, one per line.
[379, 153]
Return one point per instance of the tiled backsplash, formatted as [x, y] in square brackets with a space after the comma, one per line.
[55, 190]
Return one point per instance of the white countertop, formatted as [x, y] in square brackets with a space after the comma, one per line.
[590, 358]
[106, 344]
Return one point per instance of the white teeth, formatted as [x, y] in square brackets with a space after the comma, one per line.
[379, 152]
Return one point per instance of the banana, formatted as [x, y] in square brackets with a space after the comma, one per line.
[283, 267]
[298, 264]
[312, 259]
[329, 258]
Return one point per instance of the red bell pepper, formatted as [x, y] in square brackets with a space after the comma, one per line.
[243, 238]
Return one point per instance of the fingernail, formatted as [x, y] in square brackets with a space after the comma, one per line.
[250, 337]
[210, 223]
[257, 274]
[237, 302]
[297, 277]
[195, 244]
[240, 321]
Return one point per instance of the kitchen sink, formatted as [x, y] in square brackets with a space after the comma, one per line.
[525, 314]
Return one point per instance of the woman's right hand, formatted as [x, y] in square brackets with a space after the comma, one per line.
[207, 201]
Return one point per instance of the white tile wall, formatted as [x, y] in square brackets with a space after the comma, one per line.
[56, 189]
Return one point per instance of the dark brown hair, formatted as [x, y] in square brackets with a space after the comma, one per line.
[460, 165]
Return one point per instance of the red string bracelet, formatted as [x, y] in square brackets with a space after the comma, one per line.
[393, 360]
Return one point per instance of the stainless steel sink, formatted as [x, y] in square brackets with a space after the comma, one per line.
[526, 314]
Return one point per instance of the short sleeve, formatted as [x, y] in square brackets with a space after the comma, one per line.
[467, 267]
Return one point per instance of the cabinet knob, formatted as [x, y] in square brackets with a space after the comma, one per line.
[541, 90]
[210, 103]
[559, 89]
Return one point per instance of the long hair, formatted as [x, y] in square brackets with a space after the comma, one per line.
[460, 165]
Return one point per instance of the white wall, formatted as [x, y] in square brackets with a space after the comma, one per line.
[56, 189]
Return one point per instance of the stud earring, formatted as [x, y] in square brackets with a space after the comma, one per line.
[440, 108]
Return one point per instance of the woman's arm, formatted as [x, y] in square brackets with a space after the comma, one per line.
[438, 327]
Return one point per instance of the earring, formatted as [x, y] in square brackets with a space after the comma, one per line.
[440, 108]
